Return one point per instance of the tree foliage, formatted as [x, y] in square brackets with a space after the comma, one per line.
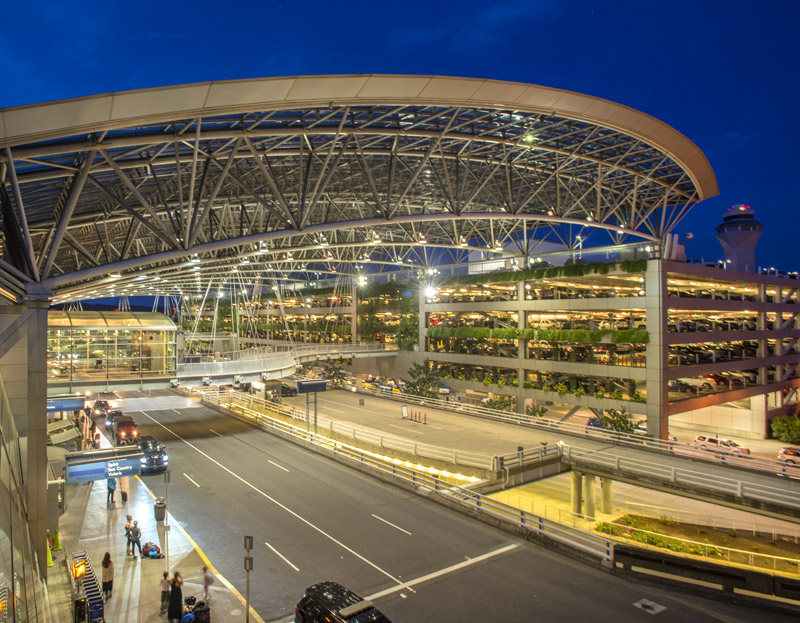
[423, 380]
[786, 428]
[617, 420]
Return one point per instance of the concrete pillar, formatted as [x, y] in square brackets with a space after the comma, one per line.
[36, 468]
[589, 496]
[655, 303]
[575, 492]
[607, 505]
[23, 368]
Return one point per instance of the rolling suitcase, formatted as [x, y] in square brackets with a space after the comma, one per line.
[124, 495]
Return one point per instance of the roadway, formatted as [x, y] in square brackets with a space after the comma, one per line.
[450, 429]
[313, 519]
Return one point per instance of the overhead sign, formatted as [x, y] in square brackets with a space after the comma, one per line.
[102, 464]
[54, 405]
[311, 386]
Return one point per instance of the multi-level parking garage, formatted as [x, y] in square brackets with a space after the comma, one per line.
[251, 191]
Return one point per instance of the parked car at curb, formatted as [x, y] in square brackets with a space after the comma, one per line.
[155, 457]
[330, 602]
[641, 429]
[125, 432]
[111, 416]
[100, 407]
[789, 455]
[710, 442]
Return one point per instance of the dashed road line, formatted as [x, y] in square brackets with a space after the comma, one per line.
[190, 480]
[391, 524]
[278, 466]
[281, 556]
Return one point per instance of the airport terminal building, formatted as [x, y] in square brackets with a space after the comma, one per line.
[535, 233]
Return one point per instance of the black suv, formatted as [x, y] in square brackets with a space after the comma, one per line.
[329, 602]
[155, 458]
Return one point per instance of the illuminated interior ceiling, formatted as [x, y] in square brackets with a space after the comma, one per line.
[207, 186]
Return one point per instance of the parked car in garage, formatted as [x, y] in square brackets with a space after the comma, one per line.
[677, 385]
[700, 383]
[712, 442]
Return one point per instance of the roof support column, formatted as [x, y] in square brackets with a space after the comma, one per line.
[23, 369]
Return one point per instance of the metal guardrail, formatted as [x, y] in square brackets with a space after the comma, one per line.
[590, 544]
[389, 442]
[636, 440]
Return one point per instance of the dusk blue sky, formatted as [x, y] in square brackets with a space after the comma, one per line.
[722, 72]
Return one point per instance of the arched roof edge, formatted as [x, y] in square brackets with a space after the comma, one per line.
[51, 120]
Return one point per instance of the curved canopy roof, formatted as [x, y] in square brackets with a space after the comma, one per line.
[180, 188]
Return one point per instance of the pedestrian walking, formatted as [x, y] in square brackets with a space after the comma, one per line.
[108, 576]
[175, 607]
[111, 484]
[128, 526]
[165, 590]
[208, 580]
[135, 535]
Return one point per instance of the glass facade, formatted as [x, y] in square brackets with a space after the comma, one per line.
[100, 346]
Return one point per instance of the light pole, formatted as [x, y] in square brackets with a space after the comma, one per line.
[166, 518]
[248, 567]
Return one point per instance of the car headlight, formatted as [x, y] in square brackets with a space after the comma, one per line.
[166, 459]
[122, 434]
[143, 460]
[108, 422]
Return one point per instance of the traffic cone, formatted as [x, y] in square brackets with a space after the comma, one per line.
[56, 543]
[49, 556]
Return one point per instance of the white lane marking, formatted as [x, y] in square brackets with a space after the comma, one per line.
[416, 432]
[281, 556]
[444, 571]
[334, 410]
[391, 524]
[278, 466]
[176, 411]
[278, 504]
[190, 480]
[215, 432]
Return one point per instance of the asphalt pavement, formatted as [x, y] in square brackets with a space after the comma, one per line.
[313, 519]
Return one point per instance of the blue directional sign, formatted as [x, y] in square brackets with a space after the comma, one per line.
[54, 405]
[102, 464]
[311, 386]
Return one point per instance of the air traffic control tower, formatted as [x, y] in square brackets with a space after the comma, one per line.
[738, 234]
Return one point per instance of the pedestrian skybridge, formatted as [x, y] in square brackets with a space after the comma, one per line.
[257, 364]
